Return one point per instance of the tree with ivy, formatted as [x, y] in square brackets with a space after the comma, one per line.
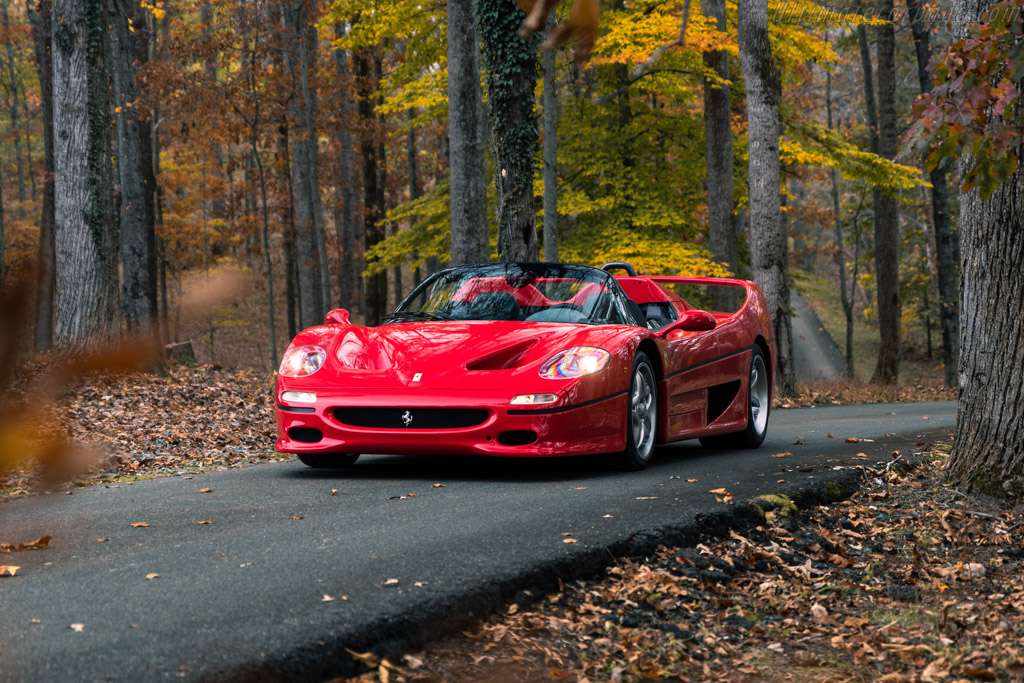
[86, 234]
[975, 114]
[512, 70]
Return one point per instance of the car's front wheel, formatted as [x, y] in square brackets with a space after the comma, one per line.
[759, 402]
[641, 417]
[328, 460]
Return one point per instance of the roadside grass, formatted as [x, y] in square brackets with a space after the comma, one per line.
[908, 580]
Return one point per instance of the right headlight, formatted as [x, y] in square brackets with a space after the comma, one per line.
[302, 361]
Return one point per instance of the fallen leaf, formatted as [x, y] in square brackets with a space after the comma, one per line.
[776, 647]
[569, 540]
[646, 497]
[799, 441]
[421, 584]
[334, 492]
[365, 658]
[391, 582]
[205, 490]
[327, 598]
[152, 575]
[437, 486]
[782, 455]
[819, 611]
[853, 439]
[830, 436]
[136, 525]
[692, 480]
[77, 628]
[8, 570]
[102, 540]
[38, 544]
[205, 521]
[37, 621]
[297, 517]
[719, 492]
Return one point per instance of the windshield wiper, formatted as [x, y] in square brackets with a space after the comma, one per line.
[411, 316]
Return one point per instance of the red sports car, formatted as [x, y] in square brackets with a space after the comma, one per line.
[531, 359]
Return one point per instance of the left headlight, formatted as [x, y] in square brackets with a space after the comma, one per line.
[302, 361]
[578, 361]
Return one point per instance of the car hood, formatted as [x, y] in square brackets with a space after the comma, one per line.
[456, 354]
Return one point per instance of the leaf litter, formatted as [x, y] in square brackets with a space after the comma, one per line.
[908, 580]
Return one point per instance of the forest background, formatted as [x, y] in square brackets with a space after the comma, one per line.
[336, 153]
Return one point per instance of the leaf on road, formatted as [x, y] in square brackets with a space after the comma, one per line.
[365, 658]
[719, 492]
[136, 525]
[8, 570]
[327, 598]
[334, 492]
[781, 455]
[151, 576]
[692, 480]
[830, 436]
[722, 495]
[38, 544]
[646, 497]
[205, 490]
[102, 540]
[77, 628]
[297, 517]
[205, 521]
[569, 540]
[799, 441]
[391, 582]
[437, 486]
[853, 439]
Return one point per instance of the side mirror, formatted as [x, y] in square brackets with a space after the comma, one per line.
[338, 316]
[691, 321]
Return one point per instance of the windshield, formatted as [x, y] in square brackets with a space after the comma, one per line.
[529, 292]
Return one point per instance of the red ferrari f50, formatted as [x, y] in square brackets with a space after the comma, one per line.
[531, 359]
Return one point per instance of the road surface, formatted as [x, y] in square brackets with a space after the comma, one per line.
[298, 564]
[815, 353]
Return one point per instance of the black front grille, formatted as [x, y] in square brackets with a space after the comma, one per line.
[411, 418]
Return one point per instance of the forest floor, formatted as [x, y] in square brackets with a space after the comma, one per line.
[908, 580]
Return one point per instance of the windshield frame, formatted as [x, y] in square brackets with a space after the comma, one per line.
[538, 270]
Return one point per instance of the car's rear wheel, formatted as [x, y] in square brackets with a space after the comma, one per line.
[641, 416]
[328, 460]
[758, 406]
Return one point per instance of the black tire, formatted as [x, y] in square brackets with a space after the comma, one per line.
[758, 407]
[328, 460]
[641, 416]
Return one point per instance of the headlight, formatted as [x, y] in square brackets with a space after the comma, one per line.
[579, 361]
[302, 361]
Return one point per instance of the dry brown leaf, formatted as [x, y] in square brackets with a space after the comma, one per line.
[853, 439]
[8, 570]
[136, 525]
[327, 598]
[77, 628]
[205, 490]
[569, 540]
[437, 486]
[367, 659]
[205, 521]
[297, 517]
[781, 455]
[719, 492]
[39, 544]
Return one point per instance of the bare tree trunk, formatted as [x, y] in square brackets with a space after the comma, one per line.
[887, 208]
[373, 212]
[511, 78]
[718, 153]
[3, 260]
[344, 218]
[138, 292]
[988, 453]
[768, 244]
[312, 305]
[15, 110]
[550, 154]
[86, 235]
[845, 297]
[945, 256]
[468, 191]
[288, 231]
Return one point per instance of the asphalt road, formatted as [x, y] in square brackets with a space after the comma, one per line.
[403, 559]
[815, 353]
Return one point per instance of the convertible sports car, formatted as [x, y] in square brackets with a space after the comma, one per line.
[531, 359]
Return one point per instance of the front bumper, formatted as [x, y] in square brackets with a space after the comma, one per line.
[597, 426]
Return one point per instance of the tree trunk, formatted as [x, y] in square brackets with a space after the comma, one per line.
[373, 212]
[288, 231]
[768, 244]
[3, 261]
[845, 297]
[718, 153]
[511, 78]
[550, 154]
[887, 208]
[15, 102]
[308, 221]
[86, 236]
[988, 453]
[468, 192]
[945, 257]
[344, 218]
[138, 291]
